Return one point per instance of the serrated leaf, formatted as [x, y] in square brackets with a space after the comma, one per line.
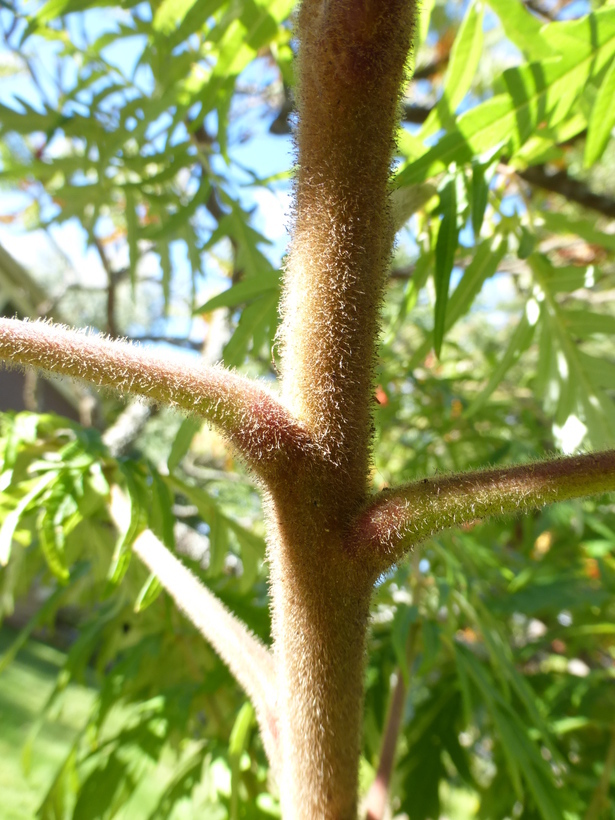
[122, 552]
[601, 120]
[11, 522]
[520, 753]
[446, 246]
[252, 322]
[52, 539]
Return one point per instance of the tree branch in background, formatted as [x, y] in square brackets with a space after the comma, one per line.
[403, 517]
[111, 328]
[559, 182]
[378, 794]
[126, 428]
[250, 417]
[248, 659]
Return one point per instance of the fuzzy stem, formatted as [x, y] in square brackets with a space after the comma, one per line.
[250, 662]
[350, 67]
[250, 417]
[403, 517]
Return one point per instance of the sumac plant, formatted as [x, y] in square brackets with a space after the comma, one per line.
[308, 444]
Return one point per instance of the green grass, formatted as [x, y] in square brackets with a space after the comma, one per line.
[24, 688]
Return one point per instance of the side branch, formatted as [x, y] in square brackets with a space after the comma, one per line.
[401, 518]
[248, 659]
[251, 418]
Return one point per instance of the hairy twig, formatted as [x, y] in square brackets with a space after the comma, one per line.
[401, 518]
[248, 659]
[250, 417]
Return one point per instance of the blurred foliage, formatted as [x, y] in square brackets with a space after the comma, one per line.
[505, 264]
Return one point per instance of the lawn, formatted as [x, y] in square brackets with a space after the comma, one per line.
[24, 688]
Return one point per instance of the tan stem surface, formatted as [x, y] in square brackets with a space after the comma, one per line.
[248, 659]
[250, 417]
[400, 518]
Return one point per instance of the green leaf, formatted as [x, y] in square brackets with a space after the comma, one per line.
[41, 616]
[485, 263]
[161, 519]
[122, 552]
[602, 119]
[464, 59]
[51, 534]
[522, 28]
[587, 322]
[246, 291]
[171, 13]
[150, 591]
[238, 743]
[535, 93]
[254, 318]
[446, 245]
[405, 617]
[520, 753]
[218, 542]
[181, 444]
[565, 224]
[185, 778]
[10, 523]
[480, 196]
[527, 243]
[100, 788]
[167, 271]
[519, 343]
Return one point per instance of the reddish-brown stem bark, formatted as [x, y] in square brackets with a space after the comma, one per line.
[401, 518]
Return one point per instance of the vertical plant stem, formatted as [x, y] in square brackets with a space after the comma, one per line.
[351, 62]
